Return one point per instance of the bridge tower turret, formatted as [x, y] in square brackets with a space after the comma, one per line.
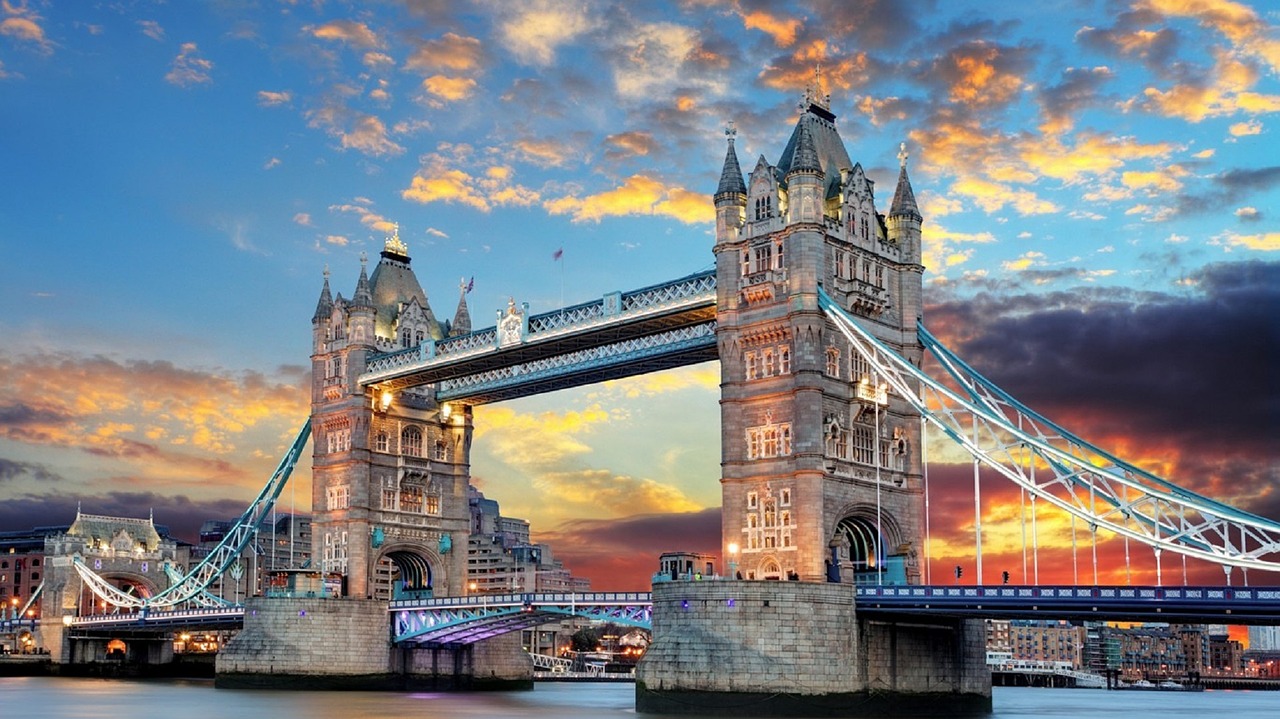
[390, 466]
[820, 472]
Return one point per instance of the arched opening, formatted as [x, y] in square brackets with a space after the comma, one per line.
[403, 574]
[769, 569]
[91, 603]
[116, 649]
[857, 546]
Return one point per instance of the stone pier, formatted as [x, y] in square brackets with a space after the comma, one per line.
[313, 643]
[768, 648]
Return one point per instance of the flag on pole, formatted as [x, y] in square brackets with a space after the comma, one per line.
[558, 254]
[472, 284]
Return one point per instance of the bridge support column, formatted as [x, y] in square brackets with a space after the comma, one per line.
[500, 663]
[745, 648]
[312, 643]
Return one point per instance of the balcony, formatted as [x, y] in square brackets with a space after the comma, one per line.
[764, 286]
[863, 297]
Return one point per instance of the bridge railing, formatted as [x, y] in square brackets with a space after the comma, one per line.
[521, 599]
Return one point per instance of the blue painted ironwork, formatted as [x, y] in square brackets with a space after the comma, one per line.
[200, 577]
[1082, 479]
[465, 620]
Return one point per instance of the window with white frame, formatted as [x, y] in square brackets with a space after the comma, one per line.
[763, 256]
[411, 442]
[833, 362]
[769, 357]
[381, 442]
[784, 359]
[752, 363]
[859, 367]
[338, 497]
[770, 440]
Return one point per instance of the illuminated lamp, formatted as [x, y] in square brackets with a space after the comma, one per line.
[385, 400]
[445, 411]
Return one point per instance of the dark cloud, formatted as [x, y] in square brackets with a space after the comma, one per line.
[12, 469]
[1186, 380]
[1078, 90]
[181, 514]
[609, 551]
[1227, 189]
[1132, 36]
[869, 24]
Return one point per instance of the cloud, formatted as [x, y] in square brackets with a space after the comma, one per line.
[620, 553]
[1226, 189]
[637, 195]
[547, 152]
[11, 469]
[302, 218]
[440, 179]
[183, 515]
[451, 52]
[1244, 129]
[339, 240]
[1248, 214]
[1078, 91]
[654, 59]
[347, 31]
[23, 24]
[270, 98]
[534, 31]
[449, 88]
[152, 29]
[627, 144]
[1265, 242]
[354, 130]
[781, 28]
[368, 217]
[189, 68]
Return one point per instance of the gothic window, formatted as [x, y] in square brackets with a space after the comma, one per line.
[338, 497]
[837, 441]
[746, 262]
[433, 504]
[769, 441]
[418, 337]
[381, 442]
[389, 496]
[863, 449]
[833, 362]
[764, 207]
[786, 539]
[439, 451]
[770, 515]
[784, 441]
[785, 497]
[769, 368]
[753, 444]
[859, 367]
[866, 228]
[785, 518]
[866, 270]
[753, 500]
[753, 369]
[406, 338]
[784, 360]
[411, 442]
[753, 521]
[411, 499]
[779, 258]
[770, 448]
[879, 281]
[335, 367]
[838, 264]
[769, 541]
[763, 257]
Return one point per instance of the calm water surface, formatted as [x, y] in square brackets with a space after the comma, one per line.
[47, 698]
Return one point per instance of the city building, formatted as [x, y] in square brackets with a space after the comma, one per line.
[501, 558]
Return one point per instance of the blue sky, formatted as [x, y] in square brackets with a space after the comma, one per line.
[178, 176]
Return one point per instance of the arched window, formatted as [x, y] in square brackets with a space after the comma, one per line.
[381, 442]
[411, 442]
[833, 362]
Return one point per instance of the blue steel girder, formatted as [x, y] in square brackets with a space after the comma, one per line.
[614, 319]
[674, 348]
[465, 620]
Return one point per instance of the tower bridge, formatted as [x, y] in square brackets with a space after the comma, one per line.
[828, 381]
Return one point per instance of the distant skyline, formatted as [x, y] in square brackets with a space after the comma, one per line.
[1098, 179]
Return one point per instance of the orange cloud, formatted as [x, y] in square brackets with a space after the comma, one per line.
[452, 52]
[1239, 23]
[534, 30]
[980, 81]
[631, 143]
[23, 24]
[348, 31]
[546, 152]
[782, 29]
[638, 195]
[439, 179]
[449, 88]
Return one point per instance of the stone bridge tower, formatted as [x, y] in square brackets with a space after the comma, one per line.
[821, 466]
[389, 469]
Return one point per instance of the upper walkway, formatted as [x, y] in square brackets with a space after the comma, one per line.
[622, 334]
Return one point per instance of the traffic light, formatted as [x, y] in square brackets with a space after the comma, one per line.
[1005, 575]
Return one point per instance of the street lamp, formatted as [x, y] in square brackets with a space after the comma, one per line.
[733, 560]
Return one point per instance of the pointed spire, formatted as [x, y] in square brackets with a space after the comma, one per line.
[363, 297]
[462, 318]
[904, 200]
[325, 305]
[731, 175]
[806, 155]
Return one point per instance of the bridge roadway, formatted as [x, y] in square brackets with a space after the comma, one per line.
[464, 620]
[667, 325]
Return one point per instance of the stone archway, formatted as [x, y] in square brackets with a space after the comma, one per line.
[405, 572]
[864, 546]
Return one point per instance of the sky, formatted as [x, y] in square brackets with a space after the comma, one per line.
[1098, 180]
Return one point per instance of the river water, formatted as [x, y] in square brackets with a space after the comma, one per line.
[56, 698]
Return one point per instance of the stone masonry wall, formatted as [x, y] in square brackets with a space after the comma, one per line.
[930, 656]
[307, 638]
[755, 637]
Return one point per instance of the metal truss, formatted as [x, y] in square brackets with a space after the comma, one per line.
[589, 365]
[607, 320]
[465, 620]
[1055, 465]
[190, 587]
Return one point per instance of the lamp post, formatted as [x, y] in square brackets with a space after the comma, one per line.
[733, 560]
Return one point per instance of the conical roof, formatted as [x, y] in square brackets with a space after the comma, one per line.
[731, 176]
[325, 306]
[462, 318]
[820, 123]
[904, 200]
[363, 296]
